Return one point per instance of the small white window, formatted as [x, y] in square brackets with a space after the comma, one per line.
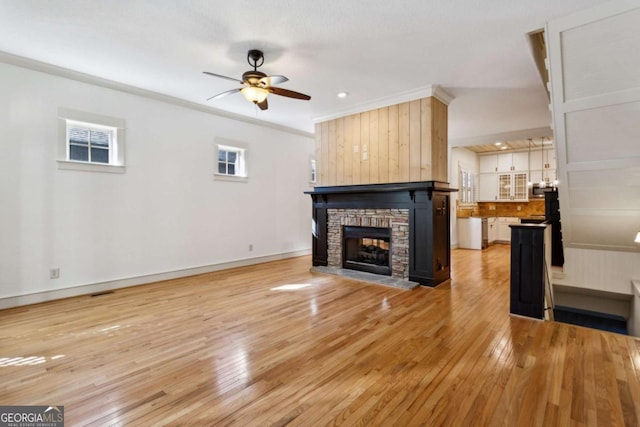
[230, 162]
[90, 142]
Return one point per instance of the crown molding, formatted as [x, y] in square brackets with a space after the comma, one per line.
[55, 70]
[441, 94]
[504, 136]
[411, 95]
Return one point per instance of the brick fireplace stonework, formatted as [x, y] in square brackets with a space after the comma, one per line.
[395, 219]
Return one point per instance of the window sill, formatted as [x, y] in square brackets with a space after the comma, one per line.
[230, 178]
[89, 167]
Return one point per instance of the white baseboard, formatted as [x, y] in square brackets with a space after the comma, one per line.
[19, 300]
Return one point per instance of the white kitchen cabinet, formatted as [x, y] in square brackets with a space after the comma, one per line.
[550, 159]
[543, 159]
[504, 231]
[504, 176]
[543, 165]
[505, 162]
[518, 161]
[536, 176]
[549, 166]
[503, 187]
[492, 230]
[488, 163]
[488, 187]
[537, 160]
[512, 186]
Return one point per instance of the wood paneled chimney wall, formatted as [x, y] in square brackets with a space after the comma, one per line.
[401, 143]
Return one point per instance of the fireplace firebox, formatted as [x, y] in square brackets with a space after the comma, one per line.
[367, 249]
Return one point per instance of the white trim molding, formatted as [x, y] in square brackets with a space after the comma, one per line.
[43, 67]
[423, 92]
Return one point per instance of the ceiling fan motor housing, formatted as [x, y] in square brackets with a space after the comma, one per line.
[253, 77]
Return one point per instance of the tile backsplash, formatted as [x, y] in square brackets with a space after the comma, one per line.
[518, 209]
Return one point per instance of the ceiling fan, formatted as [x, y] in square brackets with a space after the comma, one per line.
[257, 85]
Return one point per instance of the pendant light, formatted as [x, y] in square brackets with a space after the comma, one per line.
[543, 183]
[529, 183]
[555, 180]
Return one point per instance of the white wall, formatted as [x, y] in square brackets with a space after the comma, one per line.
[602, 270]
[469, 161]
[608, 271]
[165, 213]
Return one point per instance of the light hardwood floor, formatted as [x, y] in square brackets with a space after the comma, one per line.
[230, 348]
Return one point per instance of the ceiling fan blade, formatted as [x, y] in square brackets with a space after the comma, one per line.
[272, 80]
[288, 93]
[275, 80]
[222, 77]
[220, 95]
[263, 105]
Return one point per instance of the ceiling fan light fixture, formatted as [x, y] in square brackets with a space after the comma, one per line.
[254, 94]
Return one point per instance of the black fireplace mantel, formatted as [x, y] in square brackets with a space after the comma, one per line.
[403, 188]
[429, 218]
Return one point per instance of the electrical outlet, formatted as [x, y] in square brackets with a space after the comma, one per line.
[250, 248]
[54, 273]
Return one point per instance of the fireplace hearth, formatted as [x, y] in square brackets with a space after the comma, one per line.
[367, 249]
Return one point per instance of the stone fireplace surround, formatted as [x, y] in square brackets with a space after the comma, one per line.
[395, 219]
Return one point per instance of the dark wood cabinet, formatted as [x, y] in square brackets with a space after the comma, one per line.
[552, 215]
[430, 240]
[319, 249]
[527, 270]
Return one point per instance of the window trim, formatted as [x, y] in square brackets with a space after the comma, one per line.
[238, 147]
[96, 121]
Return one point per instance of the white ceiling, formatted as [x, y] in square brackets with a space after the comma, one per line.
[476, 50]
